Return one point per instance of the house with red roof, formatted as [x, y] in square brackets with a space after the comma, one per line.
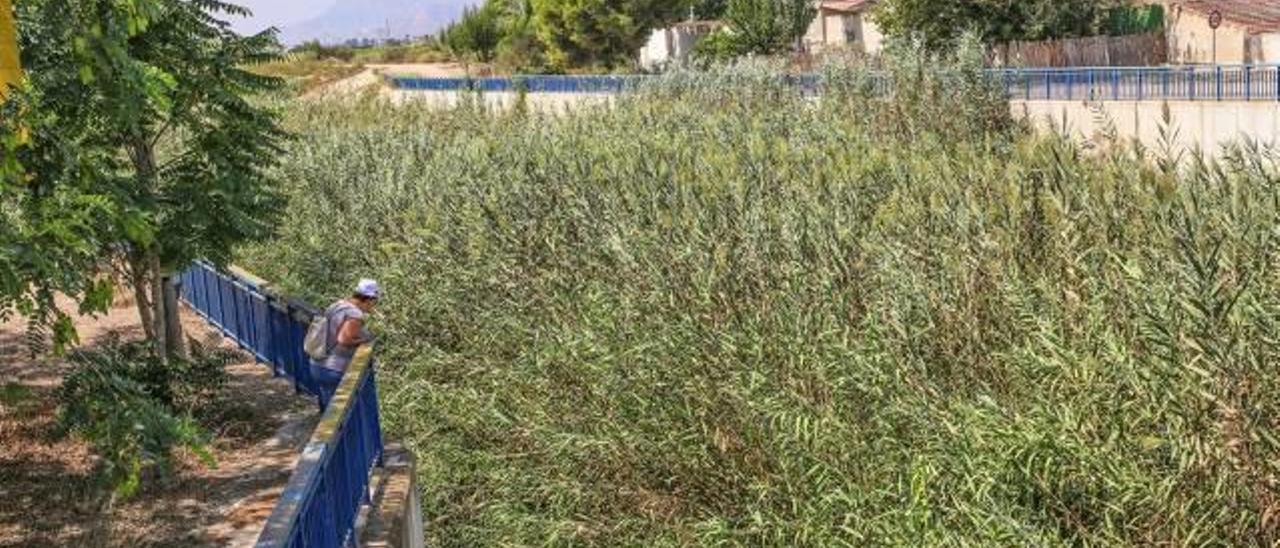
[1248, 31]
[844, 24]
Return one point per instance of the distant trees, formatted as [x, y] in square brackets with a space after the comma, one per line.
[760, 27]
[562, 35]
[940, 23]
[607, 33]
[478, 33]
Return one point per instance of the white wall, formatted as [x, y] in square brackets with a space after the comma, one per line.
[1191, 40]
[1205, 124]
[657, 51]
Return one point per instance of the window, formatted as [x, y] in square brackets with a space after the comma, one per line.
[852, 29]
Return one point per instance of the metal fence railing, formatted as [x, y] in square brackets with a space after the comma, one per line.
[1197, 83]
[267, 325]
[319, 507]
[331, 482]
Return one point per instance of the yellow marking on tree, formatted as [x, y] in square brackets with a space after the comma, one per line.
[10, 65]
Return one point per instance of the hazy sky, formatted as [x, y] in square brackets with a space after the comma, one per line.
[335, 20]
[278, 13]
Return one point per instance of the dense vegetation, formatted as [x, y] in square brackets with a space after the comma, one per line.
[998, 21]
[586, 35]
[132, 148]
[719, 312]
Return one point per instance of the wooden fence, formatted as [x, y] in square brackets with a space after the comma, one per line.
[1137, 50]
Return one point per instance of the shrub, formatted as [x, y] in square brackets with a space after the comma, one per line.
[134, 410]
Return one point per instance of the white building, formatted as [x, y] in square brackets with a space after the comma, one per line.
[674, 45]
[844, 24]
[1248, 32]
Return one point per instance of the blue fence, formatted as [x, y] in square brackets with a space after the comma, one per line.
[1201, 83]
[269, 326]
[318, 508]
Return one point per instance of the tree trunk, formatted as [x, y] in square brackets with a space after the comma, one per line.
[138, 278]
[177, 343]
[156, 285]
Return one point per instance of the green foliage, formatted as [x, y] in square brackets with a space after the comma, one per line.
[722, 313]
[1128, 19]
[598, 33]
[135, 142]
[718, 47]
[477, 34]
[135, 409]
[710, 9]
[997, 21]
[316, 50]
[769, 26]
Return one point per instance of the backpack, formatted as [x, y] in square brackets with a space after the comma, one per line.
[316, 343]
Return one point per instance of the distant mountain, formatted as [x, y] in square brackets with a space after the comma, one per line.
[375, 19]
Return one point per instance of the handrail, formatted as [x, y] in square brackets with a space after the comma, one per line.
[330, 484]
[1177, 83]
[315, 509]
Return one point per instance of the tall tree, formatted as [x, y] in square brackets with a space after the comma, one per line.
[940, 23]
[136, 146]
[606, 33]
[767, 26]
[477, 34]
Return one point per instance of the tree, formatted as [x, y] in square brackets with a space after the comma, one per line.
[606, 33]
[761, 27]
[134, 147]
[477, 34]
[940, 23]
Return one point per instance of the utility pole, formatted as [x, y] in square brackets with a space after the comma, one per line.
[10, 64]
[1215, 21]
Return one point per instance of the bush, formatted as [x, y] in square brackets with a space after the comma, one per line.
[721, 312]
[134, 410]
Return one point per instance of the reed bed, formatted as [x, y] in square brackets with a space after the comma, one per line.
[719, 312]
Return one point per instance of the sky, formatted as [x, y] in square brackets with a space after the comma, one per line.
[338, 19]
[279, 13]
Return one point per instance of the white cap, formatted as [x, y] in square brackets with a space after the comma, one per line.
[368, 288]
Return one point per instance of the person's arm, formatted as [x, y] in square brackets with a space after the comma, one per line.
[349, 333]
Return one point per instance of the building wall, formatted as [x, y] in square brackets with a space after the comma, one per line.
[1191, 40]
[872, 38]
[1266, 49]
[670, 45]
[832, 29]
[657, 51]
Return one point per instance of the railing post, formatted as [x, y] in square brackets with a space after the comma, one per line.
[1115, 85]
[1191, 83]
[1218, 73]
[1248, 83]
[1048, 86]
[1093, 81]
[1164, 88]
[1071, 84]
[1142, 80]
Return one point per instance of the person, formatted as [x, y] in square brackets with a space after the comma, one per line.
[346, 333]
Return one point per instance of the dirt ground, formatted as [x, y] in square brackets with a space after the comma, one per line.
[46, 484]
[372, 77]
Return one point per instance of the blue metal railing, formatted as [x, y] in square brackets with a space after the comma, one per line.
[1195, 83]
[319, 507]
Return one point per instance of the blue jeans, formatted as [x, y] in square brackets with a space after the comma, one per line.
[327, 381]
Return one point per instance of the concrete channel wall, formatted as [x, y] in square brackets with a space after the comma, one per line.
[1208, 125]
[1205, 124]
